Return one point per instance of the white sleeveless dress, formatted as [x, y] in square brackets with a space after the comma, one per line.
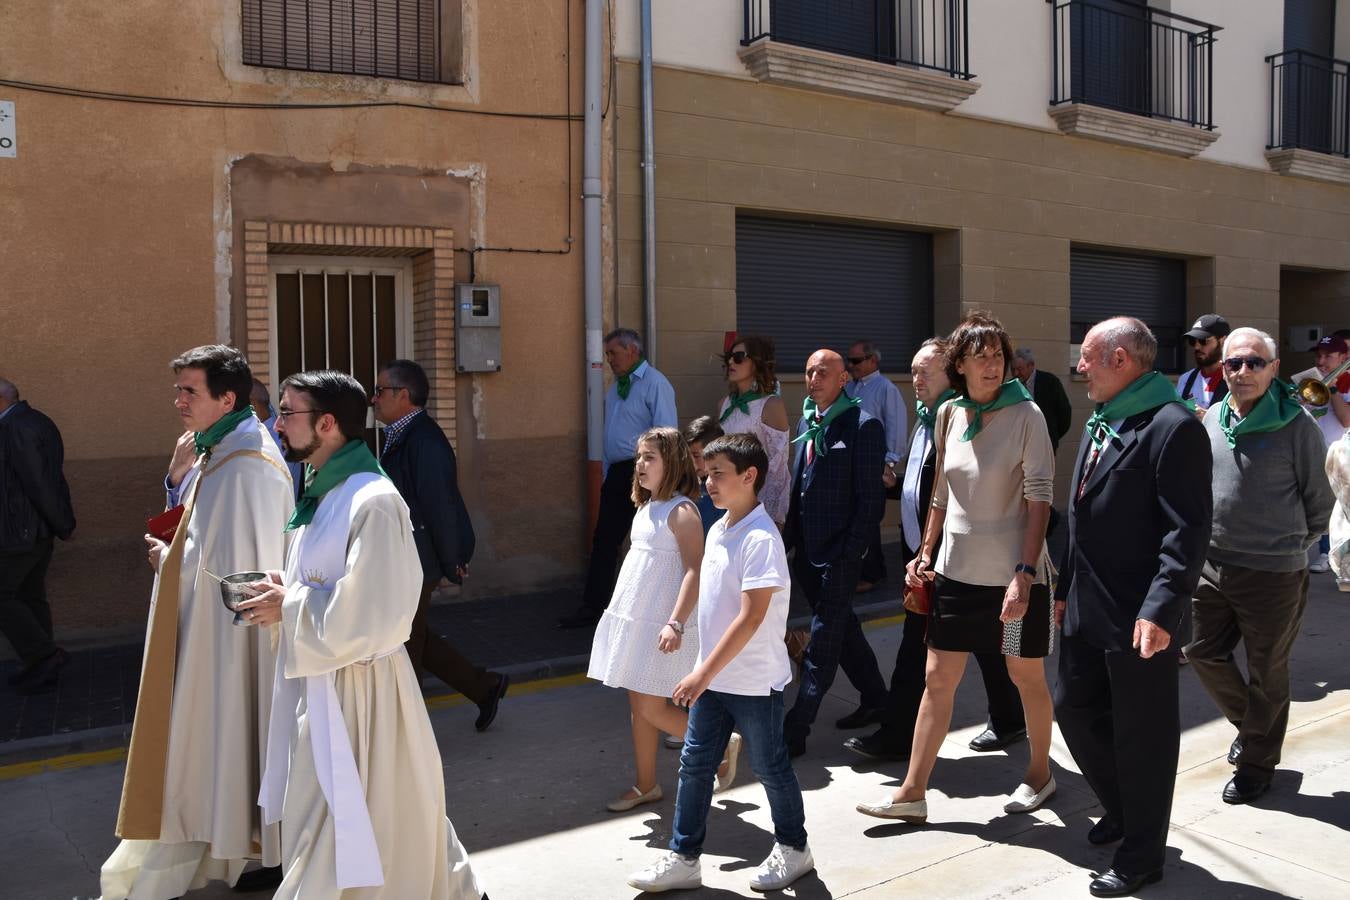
[624, 653]
[776, 492]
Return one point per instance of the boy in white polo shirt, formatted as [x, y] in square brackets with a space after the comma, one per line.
[739, 679]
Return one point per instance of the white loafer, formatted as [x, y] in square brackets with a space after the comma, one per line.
[1027, 799]
[733, 751]
[624, 804]
[913, 811]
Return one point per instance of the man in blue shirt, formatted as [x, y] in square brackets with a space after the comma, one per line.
[640, 399]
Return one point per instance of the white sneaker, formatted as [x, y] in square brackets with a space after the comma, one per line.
[1319, 565]
[672, 872]
[782, 867]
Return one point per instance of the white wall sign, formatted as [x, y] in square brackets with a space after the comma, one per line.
[9, 145]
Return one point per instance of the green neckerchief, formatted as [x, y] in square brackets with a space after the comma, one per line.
[929, 416]
[1148, 391]
[353, 458]
[625, 381]
[1012, 391]
[737, 400]
[207, 440]
[816, 426]
[1274, 409]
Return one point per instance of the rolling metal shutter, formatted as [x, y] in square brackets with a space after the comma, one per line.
[1310, 85]
[1151, 288]
[810, 285]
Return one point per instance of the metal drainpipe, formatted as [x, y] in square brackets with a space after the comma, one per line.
[590, 206]
[648, 190]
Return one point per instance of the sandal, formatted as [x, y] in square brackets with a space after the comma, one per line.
[625, 803]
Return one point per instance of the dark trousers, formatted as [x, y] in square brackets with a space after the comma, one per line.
[873, 564]
[1264, 611]
[1120, 717]
[837, 641]
[612, 525]
[429, 651]
[25, 617]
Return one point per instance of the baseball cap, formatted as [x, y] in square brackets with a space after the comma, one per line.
[1209, 326]
[1330, 344]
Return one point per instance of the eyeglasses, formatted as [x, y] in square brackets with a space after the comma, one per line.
[393, 387]
[1254, 363]
[736, 356]
[858, 360]
[287, 413]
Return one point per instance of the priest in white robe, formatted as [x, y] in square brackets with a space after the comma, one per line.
[353, 771]
[194, 766]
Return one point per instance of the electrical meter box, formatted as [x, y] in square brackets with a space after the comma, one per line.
[478, 331]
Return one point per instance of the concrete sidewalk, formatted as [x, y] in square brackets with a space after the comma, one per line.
[527, 799]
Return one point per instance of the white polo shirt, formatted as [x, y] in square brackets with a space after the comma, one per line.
[744, 557]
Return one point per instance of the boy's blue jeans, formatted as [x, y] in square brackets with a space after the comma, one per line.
[760, 721]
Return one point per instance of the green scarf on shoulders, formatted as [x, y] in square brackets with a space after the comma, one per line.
[624, 383]
[1149, 391]
[817, 426]
[737, 400]
[1011, 392]
[929, 416]
[353, 458]
[1274, 409]
[207, 440]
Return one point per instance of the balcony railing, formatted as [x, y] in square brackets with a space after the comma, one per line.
[1125, 56]
[928, 34]
[1309, 103]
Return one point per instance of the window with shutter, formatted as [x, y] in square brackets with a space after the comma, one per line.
[810, 285]
[1104, 284]
[404, 39]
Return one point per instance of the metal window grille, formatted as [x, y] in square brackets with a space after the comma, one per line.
[1309, 102]
[382, 38]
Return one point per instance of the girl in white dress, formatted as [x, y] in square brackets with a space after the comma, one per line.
[642, 642]
[754, 407]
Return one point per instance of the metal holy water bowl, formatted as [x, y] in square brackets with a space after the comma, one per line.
[234, 589]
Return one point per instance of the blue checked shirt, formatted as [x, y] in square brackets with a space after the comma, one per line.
[394, 430]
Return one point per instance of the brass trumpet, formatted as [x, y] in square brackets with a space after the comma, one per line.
[1317, 391]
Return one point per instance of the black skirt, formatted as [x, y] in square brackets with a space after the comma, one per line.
[965, 619]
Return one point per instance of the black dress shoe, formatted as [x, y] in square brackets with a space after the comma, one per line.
[264, 879]
[43, 676]
[988, 740]
[859, 718]
[1234, 751]
[874, 747]
[487, 710]
[582, 618]
[795, 747]
[1246, 786]
[1113, 884]
[1108, 830]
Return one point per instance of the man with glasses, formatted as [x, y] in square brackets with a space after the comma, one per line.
[1271, 503]
[881, 400]
[189, 796]
[1204, 385]
[418, 458]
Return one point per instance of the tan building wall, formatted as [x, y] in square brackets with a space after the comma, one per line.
[125, 244]
[1005, 202]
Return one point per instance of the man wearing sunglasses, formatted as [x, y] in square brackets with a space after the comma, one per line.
[1271, 503]
[1204, 385]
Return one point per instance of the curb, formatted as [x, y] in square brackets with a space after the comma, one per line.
[31, 756]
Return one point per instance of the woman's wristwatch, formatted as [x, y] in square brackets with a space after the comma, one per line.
[676, 626]
[1023, 567]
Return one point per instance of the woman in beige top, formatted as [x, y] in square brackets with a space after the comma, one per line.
[988, 582]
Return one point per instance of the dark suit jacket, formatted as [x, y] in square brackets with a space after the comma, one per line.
[1139, 533]
[421, 463]
[34, 497]
[839, 499]
[1048, 393]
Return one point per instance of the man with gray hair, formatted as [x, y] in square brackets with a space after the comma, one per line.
[1272, 501]
[1139, 518]
[639, 399]
[881, 400]
[34, 508]
[1047, 392]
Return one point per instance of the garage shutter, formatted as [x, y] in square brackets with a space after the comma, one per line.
[810, 285]
[1151, 288]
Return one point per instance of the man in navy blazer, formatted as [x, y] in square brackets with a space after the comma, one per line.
[1139, 524]
[837, 501]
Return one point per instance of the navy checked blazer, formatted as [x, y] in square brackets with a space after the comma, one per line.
[839, 499]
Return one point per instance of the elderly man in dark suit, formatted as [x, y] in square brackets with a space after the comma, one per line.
[418, 458]
[1139, 527]
[1047, 392]
[837, 500]
[34, 508]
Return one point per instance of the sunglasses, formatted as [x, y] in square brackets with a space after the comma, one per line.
[858, 360]
[1254, 363]
[737, 357]
[1195, 342]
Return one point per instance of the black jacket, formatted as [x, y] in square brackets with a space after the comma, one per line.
[838, 500]
[421, 463]
[34, 497]
[1048, 393]
[1139, 533]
